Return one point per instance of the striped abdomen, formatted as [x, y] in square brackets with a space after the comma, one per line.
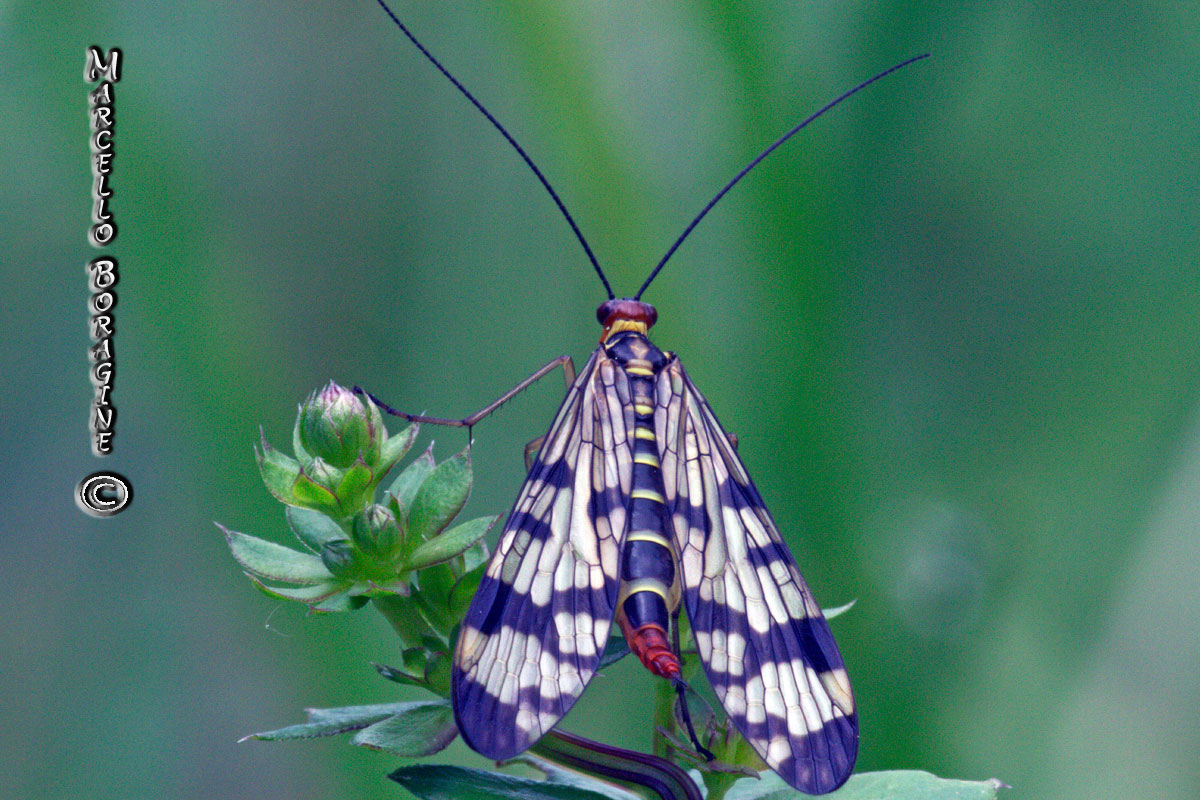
[649, 583]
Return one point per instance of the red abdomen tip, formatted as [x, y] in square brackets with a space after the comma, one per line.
[649, 643]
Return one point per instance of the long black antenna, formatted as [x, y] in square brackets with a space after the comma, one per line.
[520, 151]
[760, 157]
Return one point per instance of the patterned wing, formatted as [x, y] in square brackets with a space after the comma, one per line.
[538, 623]
[764, 642]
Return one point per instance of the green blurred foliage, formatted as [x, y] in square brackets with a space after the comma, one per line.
[954, 324]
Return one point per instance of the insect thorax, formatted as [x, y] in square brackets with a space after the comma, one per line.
[635, 353]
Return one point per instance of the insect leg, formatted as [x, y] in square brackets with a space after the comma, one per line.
[681, 689]
[532, 448]
[568, 367]
[733, 440]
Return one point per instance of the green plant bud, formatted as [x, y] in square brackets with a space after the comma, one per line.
[356, 487]
[375, 533]
[337, 425]
[311, 489]
[322, 473]
[341, 559]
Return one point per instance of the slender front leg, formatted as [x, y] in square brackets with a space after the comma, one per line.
[568, 367]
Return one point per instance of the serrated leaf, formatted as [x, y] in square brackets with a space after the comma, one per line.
[420, 730]
[274, 561]
[431, 782]
[313, 528]
[890, 785]
[440, 498]
[449, 544]
[332, 721]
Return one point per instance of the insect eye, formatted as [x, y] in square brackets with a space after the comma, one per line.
[604, 311]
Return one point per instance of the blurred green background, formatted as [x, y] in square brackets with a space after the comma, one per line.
[954, 324]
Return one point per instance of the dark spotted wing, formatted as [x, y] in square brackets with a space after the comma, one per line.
[764, 642]
[537, 626]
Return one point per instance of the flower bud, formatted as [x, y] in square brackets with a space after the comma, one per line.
[337, 425]
[375, 532]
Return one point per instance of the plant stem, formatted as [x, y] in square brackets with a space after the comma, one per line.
[405, 619]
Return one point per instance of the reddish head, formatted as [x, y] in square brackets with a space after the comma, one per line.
[624, 314]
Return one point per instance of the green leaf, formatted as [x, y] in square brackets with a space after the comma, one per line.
[313, 528]
[416, 658]
[453, 542]
[892, 785]
[440, 498]
[420, 730]
[308, 493]
[303, 594]
[565, 776]
[279, 472]
[435, 583]
[342, 560]
[395, 447]
[398, 676]
[435, 611]
[332, 721]
[616, 649]
[474, 556]
[437, 672]
[297, 446]
[464, 590]
[274, 561]
[437, 782]
[404, 488]
[356, 487]
[339, 604]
